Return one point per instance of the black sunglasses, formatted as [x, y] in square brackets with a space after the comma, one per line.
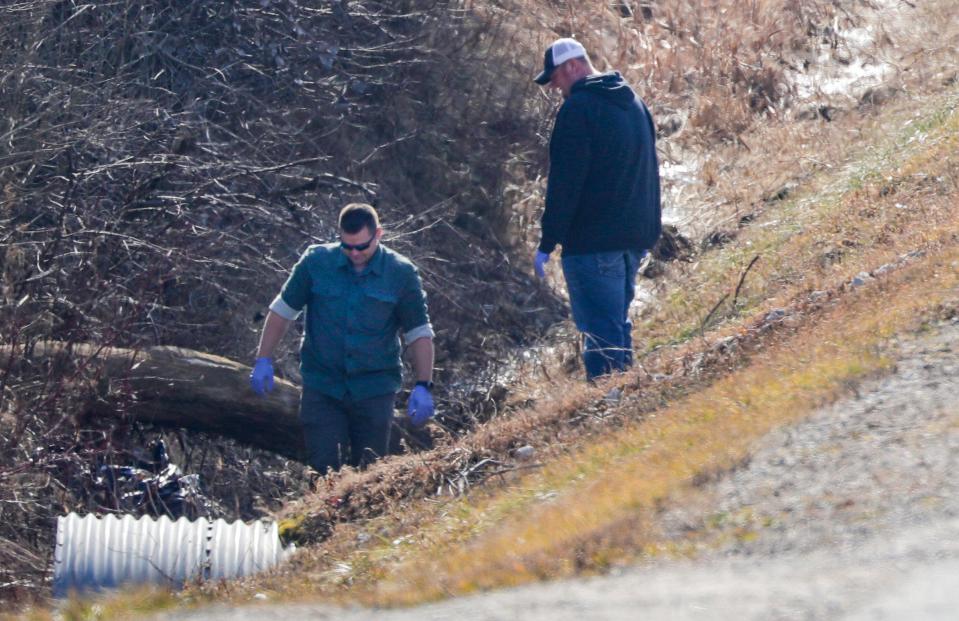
[358, 247]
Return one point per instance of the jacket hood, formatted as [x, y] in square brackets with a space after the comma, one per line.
[610, 86]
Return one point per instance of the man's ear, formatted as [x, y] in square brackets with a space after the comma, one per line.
[379, 233]
[577, 67]
[573, 69]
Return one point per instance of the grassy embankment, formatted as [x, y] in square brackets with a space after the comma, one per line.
[597, 505]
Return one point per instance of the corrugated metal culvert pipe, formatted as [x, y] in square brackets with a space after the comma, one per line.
[95, 553]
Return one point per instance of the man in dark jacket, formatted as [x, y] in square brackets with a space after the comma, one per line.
[602, 200]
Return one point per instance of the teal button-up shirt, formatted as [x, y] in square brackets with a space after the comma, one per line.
[351, 344]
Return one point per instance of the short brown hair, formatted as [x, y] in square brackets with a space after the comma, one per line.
[355, 216]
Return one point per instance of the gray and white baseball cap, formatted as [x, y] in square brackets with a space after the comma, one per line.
[558, 53]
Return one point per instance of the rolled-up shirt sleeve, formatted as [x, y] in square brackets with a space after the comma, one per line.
[284, 310]
[412, 310]
[425, 330]
[296, 291]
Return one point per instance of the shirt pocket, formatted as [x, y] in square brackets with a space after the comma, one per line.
[378, 310]
[328, 301]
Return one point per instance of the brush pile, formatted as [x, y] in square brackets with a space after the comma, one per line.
[163, 165]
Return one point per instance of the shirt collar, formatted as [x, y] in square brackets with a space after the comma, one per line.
[375, 265]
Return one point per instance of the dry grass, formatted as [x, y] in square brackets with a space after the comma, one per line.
[608, 517]
[594, 501]
[711, 72]
[595, 507]
[862, 217]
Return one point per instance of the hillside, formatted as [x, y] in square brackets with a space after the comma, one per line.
[166, 162]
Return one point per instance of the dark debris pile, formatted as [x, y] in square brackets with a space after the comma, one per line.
[164, 162]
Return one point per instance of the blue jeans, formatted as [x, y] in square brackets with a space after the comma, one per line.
[339, 432]
[601, 287]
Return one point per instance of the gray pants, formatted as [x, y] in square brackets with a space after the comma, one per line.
[339, 432]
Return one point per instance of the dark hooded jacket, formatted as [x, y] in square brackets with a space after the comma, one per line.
[603, 190]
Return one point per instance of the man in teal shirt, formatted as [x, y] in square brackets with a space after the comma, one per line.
[359, 297]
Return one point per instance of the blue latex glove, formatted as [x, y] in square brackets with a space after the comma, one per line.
[420, 407]
[261, 379]
[539, 263]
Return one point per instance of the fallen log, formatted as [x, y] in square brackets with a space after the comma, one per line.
[177, 387]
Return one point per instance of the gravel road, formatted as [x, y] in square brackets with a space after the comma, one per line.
[851, 514]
